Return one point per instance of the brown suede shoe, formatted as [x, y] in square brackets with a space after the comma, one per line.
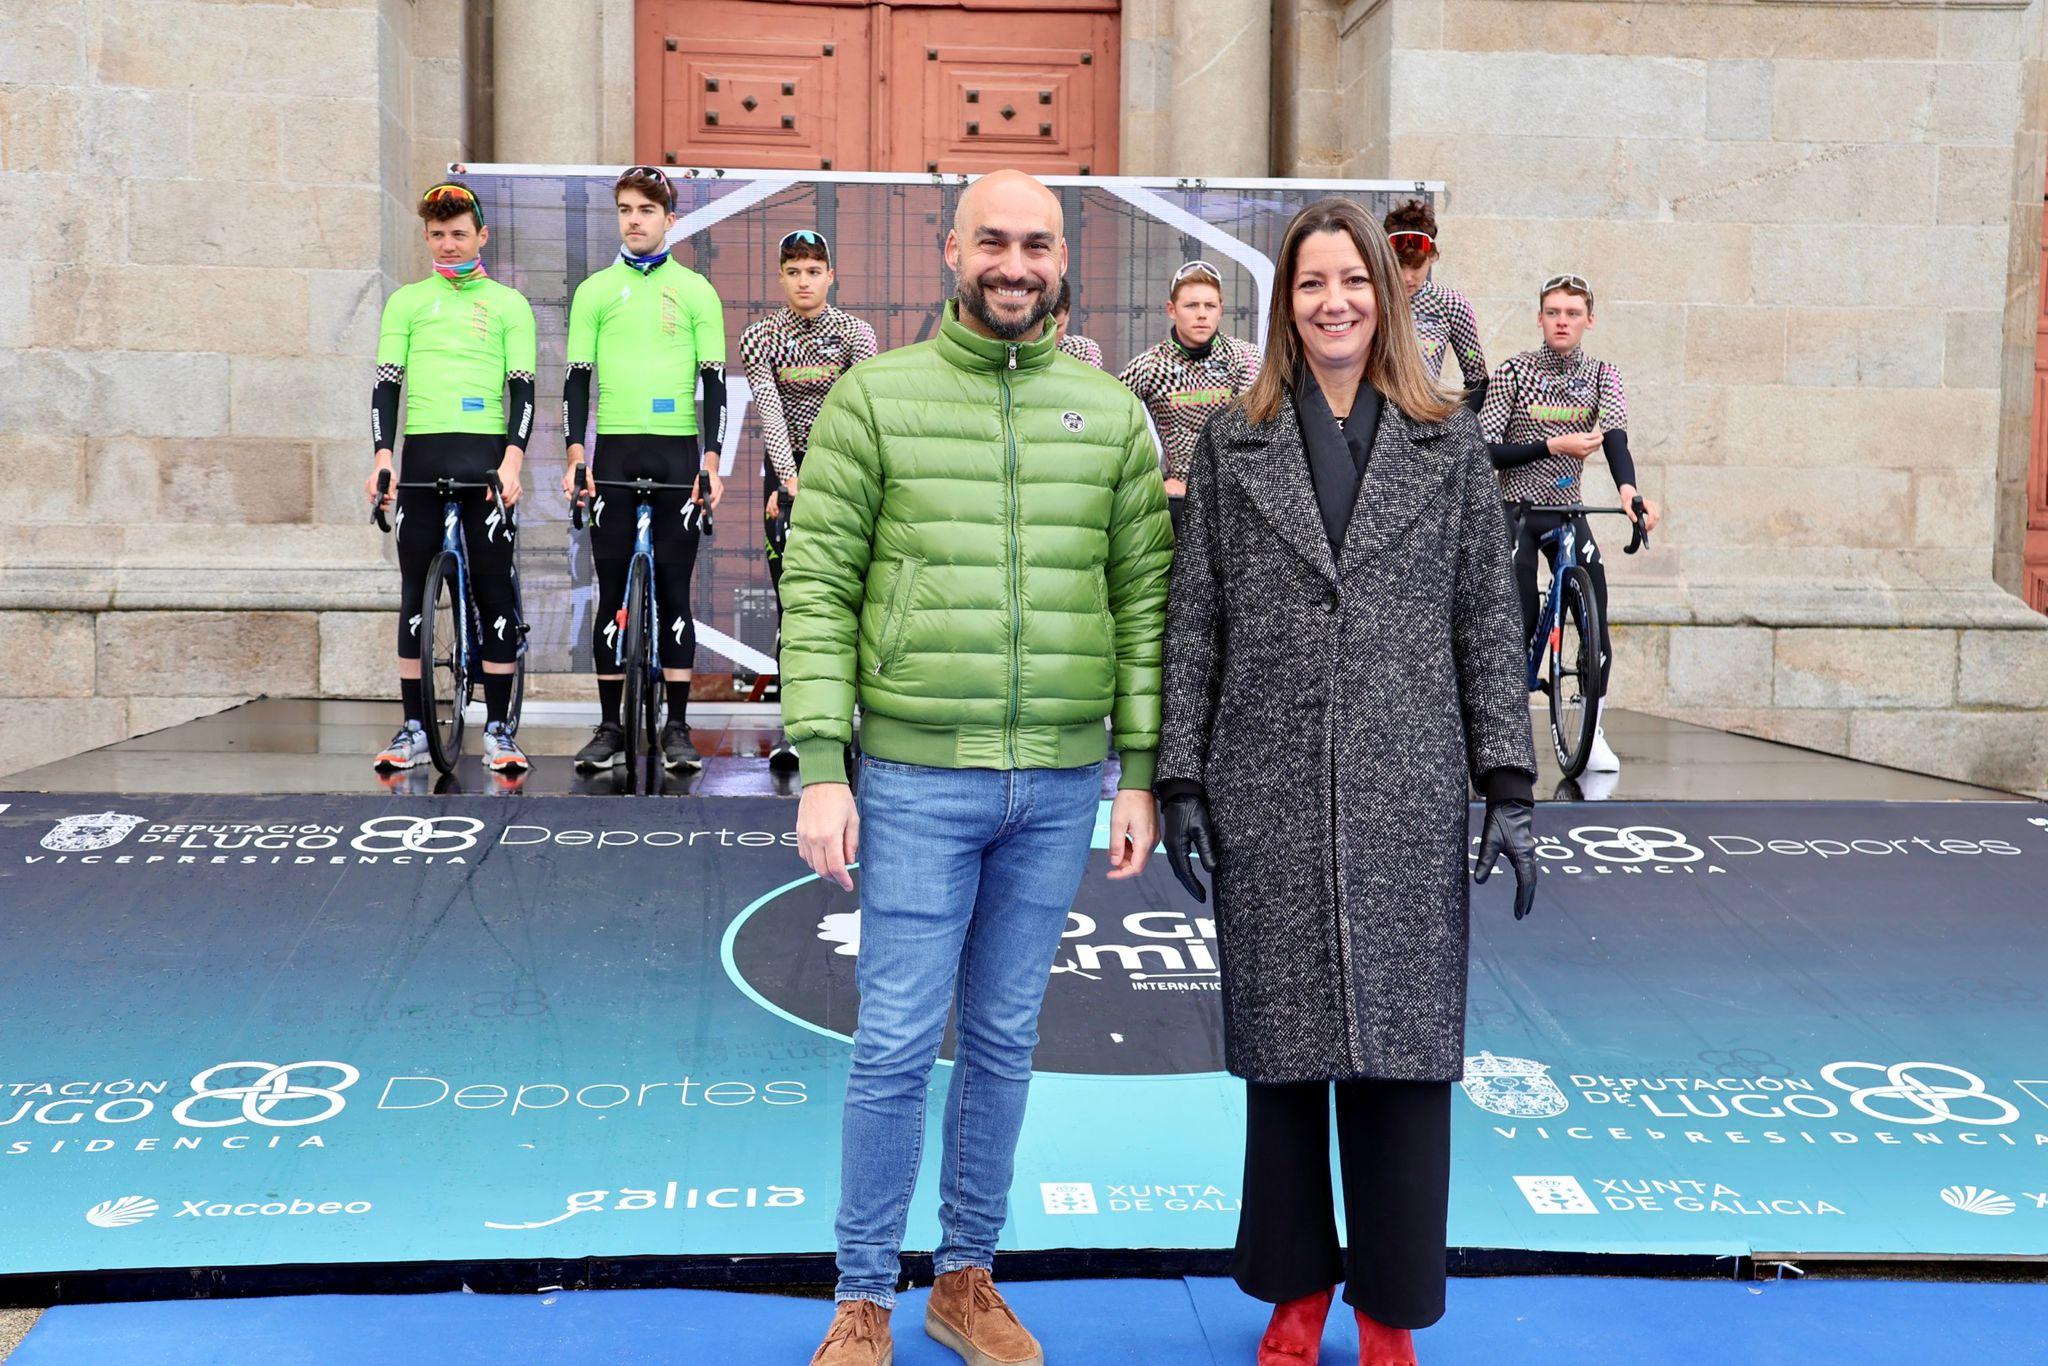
[966, 1314]
[859, 1336]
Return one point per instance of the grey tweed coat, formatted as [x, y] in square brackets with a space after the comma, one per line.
[1332, 707]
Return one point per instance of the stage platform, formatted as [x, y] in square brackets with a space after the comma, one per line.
[285, 745]
[1559, 1322]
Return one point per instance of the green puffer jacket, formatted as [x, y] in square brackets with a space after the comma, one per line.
[978, 556]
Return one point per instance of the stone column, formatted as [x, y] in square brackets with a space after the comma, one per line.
[1221, 105]
[547, 96]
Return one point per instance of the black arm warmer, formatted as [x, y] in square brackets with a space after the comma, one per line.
[575, 405]
[1508, 454]
[384, 408]
[1620, 463]
[518, 408]
[713, 425]
[1475, 397]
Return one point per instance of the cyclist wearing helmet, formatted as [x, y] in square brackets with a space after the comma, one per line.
[1444, 321]
[1186, 379]
[458, 342]
[1073, 343]
[652, 331]
[1546, 411]
[792, 358]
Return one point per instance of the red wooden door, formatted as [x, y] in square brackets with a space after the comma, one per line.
[867, 85]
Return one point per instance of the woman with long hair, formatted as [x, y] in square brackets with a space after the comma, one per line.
[1343, 648]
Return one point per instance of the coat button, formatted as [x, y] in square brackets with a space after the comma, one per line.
[1331, 602]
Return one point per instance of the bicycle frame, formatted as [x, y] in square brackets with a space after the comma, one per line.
[1566, 538]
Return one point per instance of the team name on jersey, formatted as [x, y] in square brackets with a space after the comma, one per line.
[1196, 398]
[671, 311]
[1560, 412]
[809, 374]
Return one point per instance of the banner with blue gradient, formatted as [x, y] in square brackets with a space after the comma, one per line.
[259, 1031]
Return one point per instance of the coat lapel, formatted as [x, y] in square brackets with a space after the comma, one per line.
[1410, 463]
[1271, 468]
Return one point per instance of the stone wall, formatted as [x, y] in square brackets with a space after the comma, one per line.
[201, 207]
[1814, 232]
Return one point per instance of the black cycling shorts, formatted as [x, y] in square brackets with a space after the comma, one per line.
[488, 538]
[664, 459]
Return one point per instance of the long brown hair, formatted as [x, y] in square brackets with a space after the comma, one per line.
[1393, 364]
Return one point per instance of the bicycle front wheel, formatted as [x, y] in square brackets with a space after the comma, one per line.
[633, 656]
[444, 678]
[1574, 671]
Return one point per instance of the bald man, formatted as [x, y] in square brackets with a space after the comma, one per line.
[978, 560]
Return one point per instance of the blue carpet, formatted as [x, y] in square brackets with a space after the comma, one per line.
[1518, 1321]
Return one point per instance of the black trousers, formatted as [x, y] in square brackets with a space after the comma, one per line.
[1394, 1141]
[1529, 530]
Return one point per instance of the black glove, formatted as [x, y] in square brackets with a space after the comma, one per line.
[1187, 829]
[1510, 828]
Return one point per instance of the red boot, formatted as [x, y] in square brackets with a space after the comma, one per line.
[1379, 1345]
[1295, 1335]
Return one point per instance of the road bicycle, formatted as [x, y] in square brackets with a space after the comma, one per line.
[630, 635]
[1564, 650]
[451, 649]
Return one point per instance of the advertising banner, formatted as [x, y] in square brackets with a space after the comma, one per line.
[260, 1031]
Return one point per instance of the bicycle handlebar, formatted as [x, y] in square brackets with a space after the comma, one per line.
[447, 488]
[642, 489]
[1639, 530]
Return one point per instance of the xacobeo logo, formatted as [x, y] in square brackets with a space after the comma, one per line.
[120, 1213]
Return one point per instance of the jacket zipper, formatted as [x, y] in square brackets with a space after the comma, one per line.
[1016, 570]
[897, 617]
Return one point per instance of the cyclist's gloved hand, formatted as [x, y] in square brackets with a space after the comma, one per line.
[1509, 828]
[1185, 820]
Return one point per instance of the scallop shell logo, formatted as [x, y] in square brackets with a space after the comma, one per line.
[129, 1209]
[1977, 1200]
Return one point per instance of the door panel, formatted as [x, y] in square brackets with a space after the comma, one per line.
[857, 86]
[746, 83]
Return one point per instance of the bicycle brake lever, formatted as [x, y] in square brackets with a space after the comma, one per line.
[377, 503]
[576, 496]
[1639, 537]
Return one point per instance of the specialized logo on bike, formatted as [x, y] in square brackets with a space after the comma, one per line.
[290, 1096]
[1134, 989]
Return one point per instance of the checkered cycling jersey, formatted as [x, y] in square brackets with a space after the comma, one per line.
[1445, 324]
[1184, 390]
[791, 363]
[1535, 395]
[1081, 348]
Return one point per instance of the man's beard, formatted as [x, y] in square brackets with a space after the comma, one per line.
[973, 300]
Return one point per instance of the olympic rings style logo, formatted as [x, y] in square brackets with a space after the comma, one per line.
[1636, 844]
[1906, 1086]
[417, 835]
[272, 1087]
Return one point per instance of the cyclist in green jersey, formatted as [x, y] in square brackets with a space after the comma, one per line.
[458, 342]
[651, 331]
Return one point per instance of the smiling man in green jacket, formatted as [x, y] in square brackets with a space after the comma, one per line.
[979, 560]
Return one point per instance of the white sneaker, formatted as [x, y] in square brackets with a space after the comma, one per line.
[501, 752]
[1600, 757]
[407, 749]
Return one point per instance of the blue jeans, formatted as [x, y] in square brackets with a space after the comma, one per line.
[966, 877]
